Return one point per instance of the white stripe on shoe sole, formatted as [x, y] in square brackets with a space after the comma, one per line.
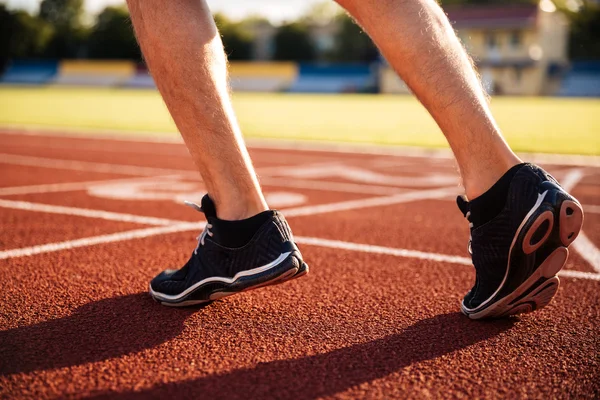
[223, 279]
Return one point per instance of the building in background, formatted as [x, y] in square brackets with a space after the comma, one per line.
[518, 49]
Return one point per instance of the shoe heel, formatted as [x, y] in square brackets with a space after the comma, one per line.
[570, 221]
[538, 232]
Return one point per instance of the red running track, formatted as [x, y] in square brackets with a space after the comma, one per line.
[87, 222]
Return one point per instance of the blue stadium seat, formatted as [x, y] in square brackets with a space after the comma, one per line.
[334, 78]
[30, 72]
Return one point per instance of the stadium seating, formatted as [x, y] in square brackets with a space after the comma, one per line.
[262, 76]
[583, 80]
[30, 72]
[335, 78]
[94, 73]
[140, 79]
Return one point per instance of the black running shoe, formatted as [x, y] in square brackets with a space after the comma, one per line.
[518, 253]
[215, 271]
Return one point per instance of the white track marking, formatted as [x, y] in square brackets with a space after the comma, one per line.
[298, 211]
[311, 241]
[571, 178]
[172, 188]
[316, 170]
[591, 209]
[329, 186]
[368, 248]
[569, 273]
[356, 174]
[370, 202]
[72, 186]
[84, 212]
[94, 240]
[588, 251]
[421, 255]
[281, 144]
[583, 245]
[75, 165]
[285, 199]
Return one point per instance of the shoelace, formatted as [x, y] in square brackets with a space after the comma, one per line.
[206, 230]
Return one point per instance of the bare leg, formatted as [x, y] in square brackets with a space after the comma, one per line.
[417, 39]
[184, 52]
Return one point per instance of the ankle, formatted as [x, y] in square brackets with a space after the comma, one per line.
[482, 179]
[237, 208]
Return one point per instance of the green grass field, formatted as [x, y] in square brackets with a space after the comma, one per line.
[553, 125]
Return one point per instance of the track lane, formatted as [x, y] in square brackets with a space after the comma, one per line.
[360, 325]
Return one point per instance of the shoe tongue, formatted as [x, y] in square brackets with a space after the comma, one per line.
[208, 207]
[463, 204]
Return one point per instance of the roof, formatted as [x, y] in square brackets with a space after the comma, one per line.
[492, 16]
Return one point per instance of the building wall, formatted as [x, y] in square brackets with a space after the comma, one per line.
[512, 60]
[476, 43]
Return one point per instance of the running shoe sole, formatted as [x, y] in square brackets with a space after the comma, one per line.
[542, 240]
[286, 267]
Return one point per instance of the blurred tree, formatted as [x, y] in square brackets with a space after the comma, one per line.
[321, 13]
[21, 35]
[352, 44]
[236, 37]
[62, 14]
[584, 43]
[293, 43]
[112, 36]
[65, 18]
[31, 35]
[6, 35]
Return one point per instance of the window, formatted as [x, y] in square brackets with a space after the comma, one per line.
[515, 39]
[490, 41]
[518, 74]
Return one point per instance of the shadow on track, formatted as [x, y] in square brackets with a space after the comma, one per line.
[96, 331]
[330, 373]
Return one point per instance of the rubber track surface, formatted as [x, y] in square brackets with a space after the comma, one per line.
[78, 322]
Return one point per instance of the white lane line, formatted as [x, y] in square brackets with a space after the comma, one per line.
[84, 212]
[583, 245]
[571, 178]
[591, 209]
[85, 165]
[587, 250]
[72, 186]
[94, 240]
[352, 173]
[405, 197]
[76, 165]
[421, 255]
[569, 273]
[370, 202]
[329, 186]
[311, 241]
[368, 248]
[281, 144]
[157, 173]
